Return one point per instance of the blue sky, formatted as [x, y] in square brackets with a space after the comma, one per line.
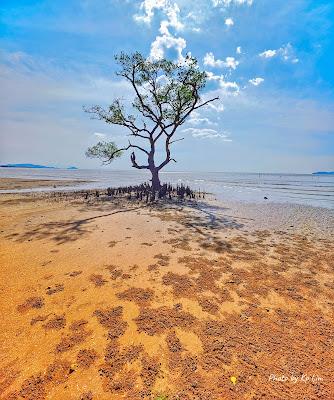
[271, 63]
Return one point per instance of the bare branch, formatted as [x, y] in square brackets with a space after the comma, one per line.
[176, 140]
[134, 163]
[206, 102]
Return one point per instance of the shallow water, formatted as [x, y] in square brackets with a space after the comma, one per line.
[314, 190]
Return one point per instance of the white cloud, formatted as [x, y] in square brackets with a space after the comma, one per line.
[207, 134]
[166, 39]
[209, 59]
[230, 62]
[199, 121]
[268, 53]
[211, 76]
[167, 42]
[172, 12]
[149, 6]
[229, 22]
[286, 53]
[238, 51]
[229, 87]
[227, 3]
[171, 23]
[256, 81]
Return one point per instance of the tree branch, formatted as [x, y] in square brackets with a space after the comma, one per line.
[134, 163]
[176, 140]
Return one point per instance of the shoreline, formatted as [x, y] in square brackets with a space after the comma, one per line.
[259, 192]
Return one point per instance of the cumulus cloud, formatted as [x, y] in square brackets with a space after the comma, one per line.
[286, 53]
[166, 39]
[149, 7]
[256, 81]
[173, 19]
[211, 76]
[230, 62]
[167, 42]
[268, 53]
[207, 133]
[229, 22]
[172, 23]
[238, 50]
[229, 87]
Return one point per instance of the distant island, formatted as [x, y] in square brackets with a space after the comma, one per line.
[31, 166]
[323, 173]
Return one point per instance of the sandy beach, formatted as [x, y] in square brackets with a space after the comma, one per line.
[115, 299]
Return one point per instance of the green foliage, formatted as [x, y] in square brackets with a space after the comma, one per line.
[165, 94]
[165, 89]
[105, 151]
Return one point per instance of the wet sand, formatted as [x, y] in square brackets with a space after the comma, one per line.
[18, 184]
[119, 300]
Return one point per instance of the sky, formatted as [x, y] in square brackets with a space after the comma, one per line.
[270, 62]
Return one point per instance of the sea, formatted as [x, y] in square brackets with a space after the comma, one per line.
[305, 189]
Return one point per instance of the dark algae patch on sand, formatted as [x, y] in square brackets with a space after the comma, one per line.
[138, 295]
[58, 322]
[97, 280]
[86, 358]
[111, 319]
[154, 321]
[78, 334]
[30, 303]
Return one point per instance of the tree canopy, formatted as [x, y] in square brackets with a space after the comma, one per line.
[165, 94]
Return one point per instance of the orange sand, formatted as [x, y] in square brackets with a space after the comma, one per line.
[107, 301]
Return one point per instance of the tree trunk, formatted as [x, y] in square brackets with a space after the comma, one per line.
[156, 186]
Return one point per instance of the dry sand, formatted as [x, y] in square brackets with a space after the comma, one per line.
[109, 300]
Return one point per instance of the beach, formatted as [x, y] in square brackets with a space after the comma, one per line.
[119, 299]
[28, 184]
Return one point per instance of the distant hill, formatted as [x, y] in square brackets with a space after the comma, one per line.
[25, 166]
[323, 173]
[30, 166]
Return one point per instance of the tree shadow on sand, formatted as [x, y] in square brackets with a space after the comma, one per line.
[204, 220]
[64, 231]
[203, 223]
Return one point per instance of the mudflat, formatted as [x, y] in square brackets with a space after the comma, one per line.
[18, 183]
[116, 299]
